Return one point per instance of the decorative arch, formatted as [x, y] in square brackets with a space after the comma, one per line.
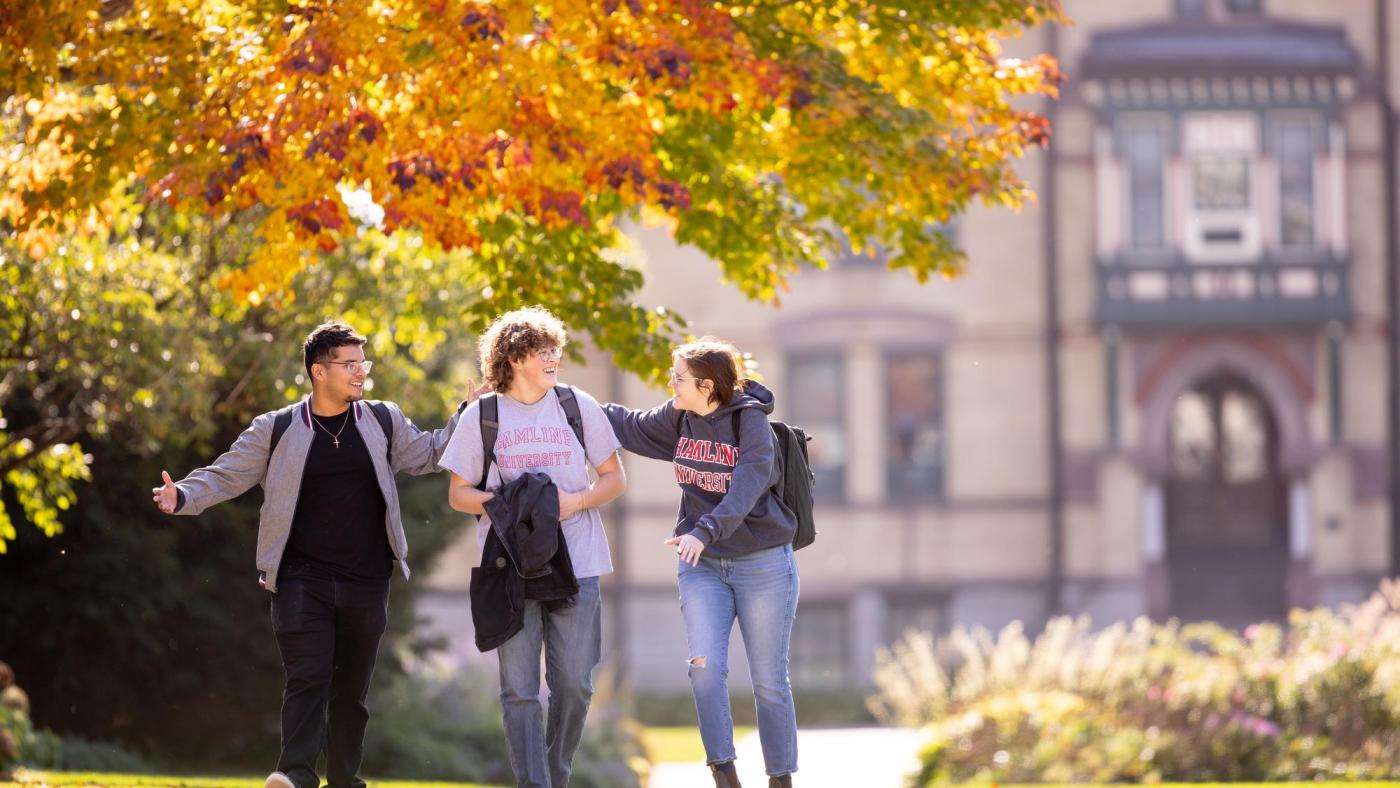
[1261, 361]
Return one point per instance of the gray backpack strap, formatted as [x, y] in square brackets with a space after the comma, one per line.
[490, 414]
[569, 401]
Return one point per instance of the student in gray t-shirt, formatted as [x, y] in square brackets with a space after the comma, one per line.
[520, 355]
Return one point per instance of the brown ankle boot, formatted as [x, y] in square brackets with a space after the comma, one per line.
[725, 775]
[781, 781]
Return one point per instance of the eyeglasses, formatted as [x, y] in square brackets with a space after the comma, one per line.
[354, 367]
[676, 377]
[550, 355]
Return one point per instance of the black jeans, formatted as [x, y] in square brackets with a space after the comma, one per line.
[328, 632]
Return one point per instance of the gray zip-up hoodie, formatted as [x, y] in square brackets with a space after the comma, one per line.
[246, 463]
[728, 478]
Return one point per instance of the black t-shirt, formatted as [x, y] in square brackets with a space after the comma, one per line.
[338, 530]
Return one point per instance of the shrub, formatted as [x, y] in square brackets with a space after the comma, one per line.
[18, 739]
[1149, 702]
[22, 744]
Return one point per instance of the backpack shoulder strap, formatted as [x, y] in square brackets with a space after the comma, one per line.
[490, 414]
[386, 423]
[569, 400]
[279, 426]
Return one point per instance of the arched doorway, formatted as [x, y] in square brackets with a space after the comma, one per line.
[1226, 505]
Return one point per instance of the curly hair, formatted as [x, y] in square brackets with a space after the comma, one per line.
[513, 337]
[713, 359]
[324, 339]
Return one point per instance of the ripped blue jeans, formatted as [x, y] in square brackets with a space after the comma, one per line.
[760, 591]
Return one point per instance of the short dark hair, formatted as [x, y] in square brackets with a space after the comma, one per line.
[324, 339]
[715, 360]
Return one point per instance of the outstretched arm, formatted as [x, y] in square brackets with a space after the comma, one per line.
[418, 451]
[232, 474]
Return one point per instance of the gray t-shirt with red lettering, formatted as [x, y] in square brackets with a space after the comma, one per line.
[537, 437]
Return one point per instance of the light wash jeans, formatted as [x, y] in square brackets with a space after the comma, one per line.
[542, 755]
[760, 590]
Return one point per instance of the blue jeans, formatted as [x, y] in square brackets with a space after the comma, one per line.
[541, 755]
[760, 590]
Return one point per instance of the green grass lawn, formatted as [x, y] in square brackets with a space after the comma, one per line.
[673, 743]
[31, 778]
[666, 744]
[681, 744]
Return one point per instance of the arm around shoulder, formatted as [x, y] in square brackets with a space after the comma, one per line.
[649, 433]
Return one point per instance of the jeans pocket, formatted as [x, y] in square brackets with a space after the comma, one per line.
[288, 606]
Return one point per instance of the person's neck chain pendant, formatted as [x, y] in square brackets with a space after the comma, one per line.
[335, 436]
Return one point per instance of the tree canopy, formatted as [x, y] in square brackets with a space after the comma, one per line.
[179, 162]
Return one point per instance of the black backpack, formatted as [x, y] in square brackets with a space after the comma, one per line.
[798, 484]
[491, 425]
[381, 412]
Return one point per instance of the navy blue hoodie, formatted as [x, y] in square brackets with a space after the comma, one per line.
[729, 493]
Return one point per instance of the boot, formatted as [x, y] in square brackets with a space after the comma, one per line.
[781, 781]
[725, 775]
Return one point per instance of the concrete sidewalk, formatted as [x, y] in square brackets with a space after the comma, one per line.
[827, 757]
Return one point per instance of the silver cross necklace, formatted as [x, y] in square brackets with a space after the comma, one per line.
[335, 436]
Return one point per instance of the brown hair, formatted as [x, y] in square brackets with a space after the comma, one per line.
[513, 337]
[715, 360]
[324, 339]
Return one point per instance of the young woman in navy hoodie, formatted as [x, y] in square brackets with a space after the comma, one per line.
[733, 537]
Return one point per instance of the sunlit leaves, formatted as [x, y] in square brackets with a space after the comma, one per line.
[43, 486]
[191, 182]
[753, 125]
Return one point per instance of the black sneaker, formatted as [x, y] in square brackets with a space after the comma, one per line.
[725, 775]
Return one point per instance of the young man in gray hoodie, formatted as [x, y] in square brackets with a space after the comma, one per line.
[329, 534]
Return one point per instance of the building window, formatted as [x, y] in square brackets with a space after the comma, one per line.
[1191, 9]
[1294, 147]
[1217, 9]
[816, 382]
[818, 648]
[914, 433]
[1220, 182]
[1144, 152]
[1222, 218]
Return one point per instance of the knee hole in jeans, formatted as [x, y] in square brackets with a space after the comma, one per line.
[697, 662]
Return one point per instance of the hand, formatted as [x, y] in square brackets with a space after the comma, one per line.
[474, 392]
[569, 504]
[166, 496]
[688, 548]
